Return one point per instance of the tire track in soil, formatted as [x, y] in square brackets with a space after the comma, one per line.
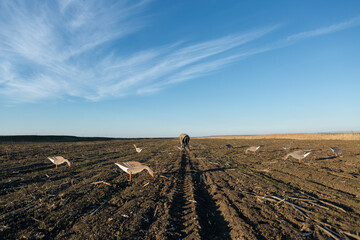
[85, 165]
[248, 215]
[193, 212]
[241, 226]
[286, 225]
[212, 222]
[84, 206]
[180, 204]
[142, 219]
[282, 185]
[141, 207]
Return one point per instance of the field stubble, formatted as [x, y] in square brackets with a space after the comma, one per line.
[208, 193]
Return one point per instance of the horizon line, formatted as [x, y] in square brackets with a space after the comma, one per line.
[144, 137]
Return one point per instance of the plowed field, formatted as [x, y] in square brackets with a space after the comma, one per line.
[209, 192]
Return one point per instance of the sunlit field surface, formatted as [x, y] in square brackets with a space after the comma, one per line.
[210, 192]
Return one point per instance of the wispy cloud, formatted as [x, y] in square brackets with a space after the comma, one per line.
[61, 49]
[161, 69]
[326, 30]
[197, 70]
[48, 44]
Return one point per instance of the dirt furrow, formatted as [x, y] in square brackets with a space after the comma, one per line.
[260, 183]
[250, 216]
[212, 222]
[245, 222]
[207, 193]
[181, 210]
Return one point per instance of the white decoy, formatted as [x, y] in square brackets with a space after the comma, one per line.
[286, 147]
[133, 167]
[57, 160]
[137, 149]
[336, 151]
[179, 148]
[299, 154]
[252, 149]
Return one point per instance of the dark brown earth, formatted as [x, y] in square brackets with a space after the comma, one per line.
[208, 193]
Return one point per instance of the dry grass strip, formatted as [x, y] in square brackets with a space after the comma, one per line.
[295, 136]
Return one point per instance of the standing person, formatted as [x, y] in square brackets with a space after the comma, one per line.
[184, 141]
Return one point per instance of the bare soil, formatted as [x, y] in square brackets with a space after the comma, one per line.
[209, 192]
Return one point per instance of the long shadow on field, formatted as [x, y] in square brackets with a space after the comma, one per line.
[196, 171]
[221, 147]
[30, 168]
[325, 158]
[296, 189]
[177, 207]
[240, 147]
[212, 222]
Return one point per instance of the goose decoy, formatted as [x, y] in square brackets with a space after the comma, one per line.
[286, 147]
[252, 149]
[336, 151]
[133, 167]
[137, 149]
[228, 146]
[299, 154]
[59, 160]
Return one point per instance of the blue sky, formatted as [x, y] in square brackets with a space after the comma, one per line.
[159, 68]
